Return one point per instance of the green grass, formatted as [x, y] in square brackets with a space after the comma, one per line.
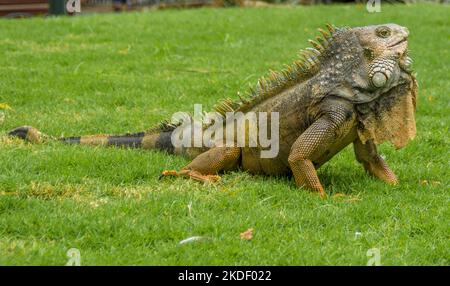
[119, 73]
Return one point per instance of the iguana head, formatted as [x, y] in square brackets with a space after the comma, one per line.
[385, 51]
[388, 113]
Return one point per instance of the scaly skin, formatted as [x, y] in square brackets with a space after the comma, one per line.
[353, 86]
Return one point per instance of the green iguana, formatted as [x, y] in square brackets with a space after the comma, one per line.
[354, 86]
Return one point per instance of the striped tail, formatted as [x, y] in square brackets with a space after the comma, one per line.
[153, 139]
[145, 140]
[158, 138]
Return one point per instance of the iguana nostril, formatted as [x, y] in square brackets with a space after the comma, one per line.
[379, 79]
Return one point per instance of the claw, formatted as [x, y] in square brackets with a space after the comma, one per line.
[170, 173]
[321, 192]
[323, 195]
[191, 174]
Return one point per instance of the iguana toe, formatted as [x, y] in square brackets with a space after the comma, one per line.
[195, 175]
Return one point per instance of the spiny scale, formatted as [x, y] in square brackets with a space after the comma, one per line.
[164, 126]
[331, 28]
[325, 34]
[316, 45]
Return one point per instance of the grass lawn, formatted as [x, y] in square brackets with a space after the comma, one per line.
[124, 73]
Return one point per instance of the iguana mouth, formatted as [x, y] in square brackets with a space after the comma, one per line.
[398, 43]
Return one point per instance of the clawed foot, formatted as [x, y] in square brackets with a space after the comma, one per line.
[379, 169]
[191, 174]
[320, 191]
[322, 194]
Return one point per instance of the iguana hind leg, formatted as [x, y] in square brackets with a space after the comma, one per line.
[373, 163]
[207, 165]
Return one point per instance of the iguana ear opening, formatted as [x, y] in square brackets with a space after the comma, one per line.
[369, 54]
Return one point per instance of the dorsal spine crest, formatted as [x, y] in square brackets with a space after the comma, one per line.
[302, 69]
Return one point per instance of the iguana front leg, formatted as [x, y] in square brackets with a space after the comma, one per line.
[315, 142]
[373, 163]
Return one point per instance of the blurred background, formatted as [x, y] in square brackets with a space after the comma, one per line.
[29, 8]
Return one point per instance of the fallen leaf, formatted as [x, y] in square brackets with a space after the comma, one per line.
[338, 195]
[5, 106]
[247, 235]
[435, 183]
[428, 183]
[3, 193]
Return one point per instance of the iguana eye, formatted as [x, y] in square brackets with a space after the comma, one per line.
[383, 32]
